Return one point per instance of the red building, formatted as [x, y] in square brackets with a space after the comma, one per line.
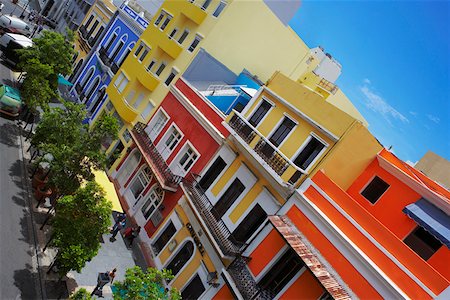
[180, 139]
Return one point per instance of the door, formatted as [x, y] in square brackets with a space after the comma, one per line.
[137, 186]
[149, 204]
[128, 167]
[156, 125]
[169, 141]
[183, 161]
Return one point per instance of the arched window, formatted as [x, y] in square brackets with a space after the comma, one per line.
[75, 70]
[181, 258]
[119, 47]
[87, 78]
[125, 54]
[98, 99]
[112, 38]
[153, 199]
[93, 88]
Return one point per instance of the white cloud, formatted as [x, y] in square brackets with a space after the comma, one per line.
[366, 81]
[413, 113]
[377, 104]
[433, 118]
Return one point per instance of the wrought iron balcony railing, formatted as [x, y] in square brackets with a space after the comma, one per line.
[262, 147]
[216, 226]
[157, 163]
[104, 57]
[245, 282]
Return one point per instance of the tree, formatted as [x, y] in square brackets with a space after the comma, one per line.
[81, 294]
[50, 56]
[81, 219]
[75, 148]
[145, 285]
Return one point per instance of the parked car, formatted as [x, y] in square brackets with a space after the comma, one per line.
[10, 100]
[14, 25]
[11, 42]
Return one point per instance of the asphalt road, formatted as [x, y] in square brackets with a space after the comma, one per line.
[16, 9]
[18, 276]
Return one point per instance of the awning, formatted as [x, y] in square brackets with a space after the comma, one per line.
[431, 218]
[102, 179]
[312, 260]
[63, 81]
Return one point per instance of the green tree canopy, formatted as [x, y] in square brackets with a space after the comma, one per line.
[81, 294]
[75, 147]
[79, 222]
[140, 285]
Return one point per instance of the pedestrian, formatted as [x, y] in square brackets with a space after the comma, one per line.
[121, 217]
[134, 234]
[114, 232]
[102, 280]
[112, 275]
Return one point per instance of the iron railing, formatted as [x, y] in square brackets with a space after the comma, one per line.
[276, 160]
[328, 86]
[220, 232]
[245, 282]
[153, 156]
[104, 57]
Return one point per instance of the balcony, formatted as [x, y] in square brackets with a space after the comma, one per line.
[157, 163]
[148, 80]
[218, 232]
[190, 10]
[245, 283]
[104, 57]
[170, 46]
[125, 111]
[328, 86]
[84, 33]
[280, 166]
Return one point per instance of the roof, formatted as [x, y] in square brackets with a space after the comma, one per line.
[311, 259]
[415, 174]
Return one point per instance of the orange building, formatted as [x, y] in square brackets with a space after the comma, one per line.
[386, 236]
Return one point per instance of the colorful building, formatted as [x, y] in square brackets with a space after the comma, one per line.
[103, 61]
[92, 29]
[436, 167]
[183, 30]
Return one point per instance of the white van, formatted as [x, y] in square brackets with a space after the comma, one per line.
[15, 38]
[14, 25]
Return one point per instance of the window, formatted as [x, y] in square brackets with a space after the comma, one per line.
[259, 113]
[183, 36]
[164, 238]
[91, 17]
[121, 82]
[126, 136]
[282, 131]
[306, 157]
[188, 158]
[159, 19]
[248, 226]
[150, 65]
[140, 182]
[139, 49]
[213, 172]
[195, 43]
[181, 258]
[93, 28]
[124, 56]
[166, 22]
[172, 34]
[117, 50]
[144, 54]
[219, 9]
[142, 48]
[194, 289]
[171, 76]
[206, 4]
[227, 199]
[282, 272]
[157, 123]
[173, 139]
[153, 199]
[423, 243]
[97, 35]
[161, 68]
[111, 41]
[375, 189]
[129, 98]
[139, 100]
[146, 112]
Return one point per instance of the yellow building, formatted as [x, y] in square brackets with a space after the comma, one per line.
[283, 136]
[90, 31]
[181, 29]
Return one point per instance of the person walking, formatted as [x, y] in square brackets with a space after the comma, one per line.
[120, 217]
[134, 234]
[117, 228]
[112, 275]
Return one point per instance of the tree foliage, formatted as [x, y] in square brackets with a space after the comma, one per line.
[145, 285]
[81, 294]
[50, 55]
[80, 220]
[76, 148]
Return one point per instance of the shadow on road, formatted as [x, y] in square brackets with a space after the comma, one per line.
[8, 135]
[25, 280]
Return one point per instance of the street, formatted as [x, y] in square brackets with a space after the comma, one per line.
[16, 9]
[18, 264]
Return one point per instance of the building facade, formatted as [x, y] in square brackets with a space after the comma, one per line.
[104, 61]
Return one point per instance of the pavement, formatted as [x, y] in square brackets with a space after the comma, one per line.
[23, 264]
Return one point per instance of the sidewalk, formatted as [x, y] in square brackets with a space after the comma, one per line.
[111, 254]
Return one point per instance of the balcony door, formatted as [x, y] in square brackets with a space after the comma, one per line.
[169, 141]
[184, 160]
[137, 186]
[276, 138]
[148, 206]
[128, 167]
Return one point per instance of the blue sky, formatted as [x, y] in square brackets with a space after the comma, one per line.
[395, 66]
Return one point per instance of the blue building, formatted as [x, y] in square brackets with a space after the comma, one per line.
[106, 57]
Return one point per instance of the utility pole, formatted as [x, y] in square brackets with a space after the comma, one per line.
[22, 15]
